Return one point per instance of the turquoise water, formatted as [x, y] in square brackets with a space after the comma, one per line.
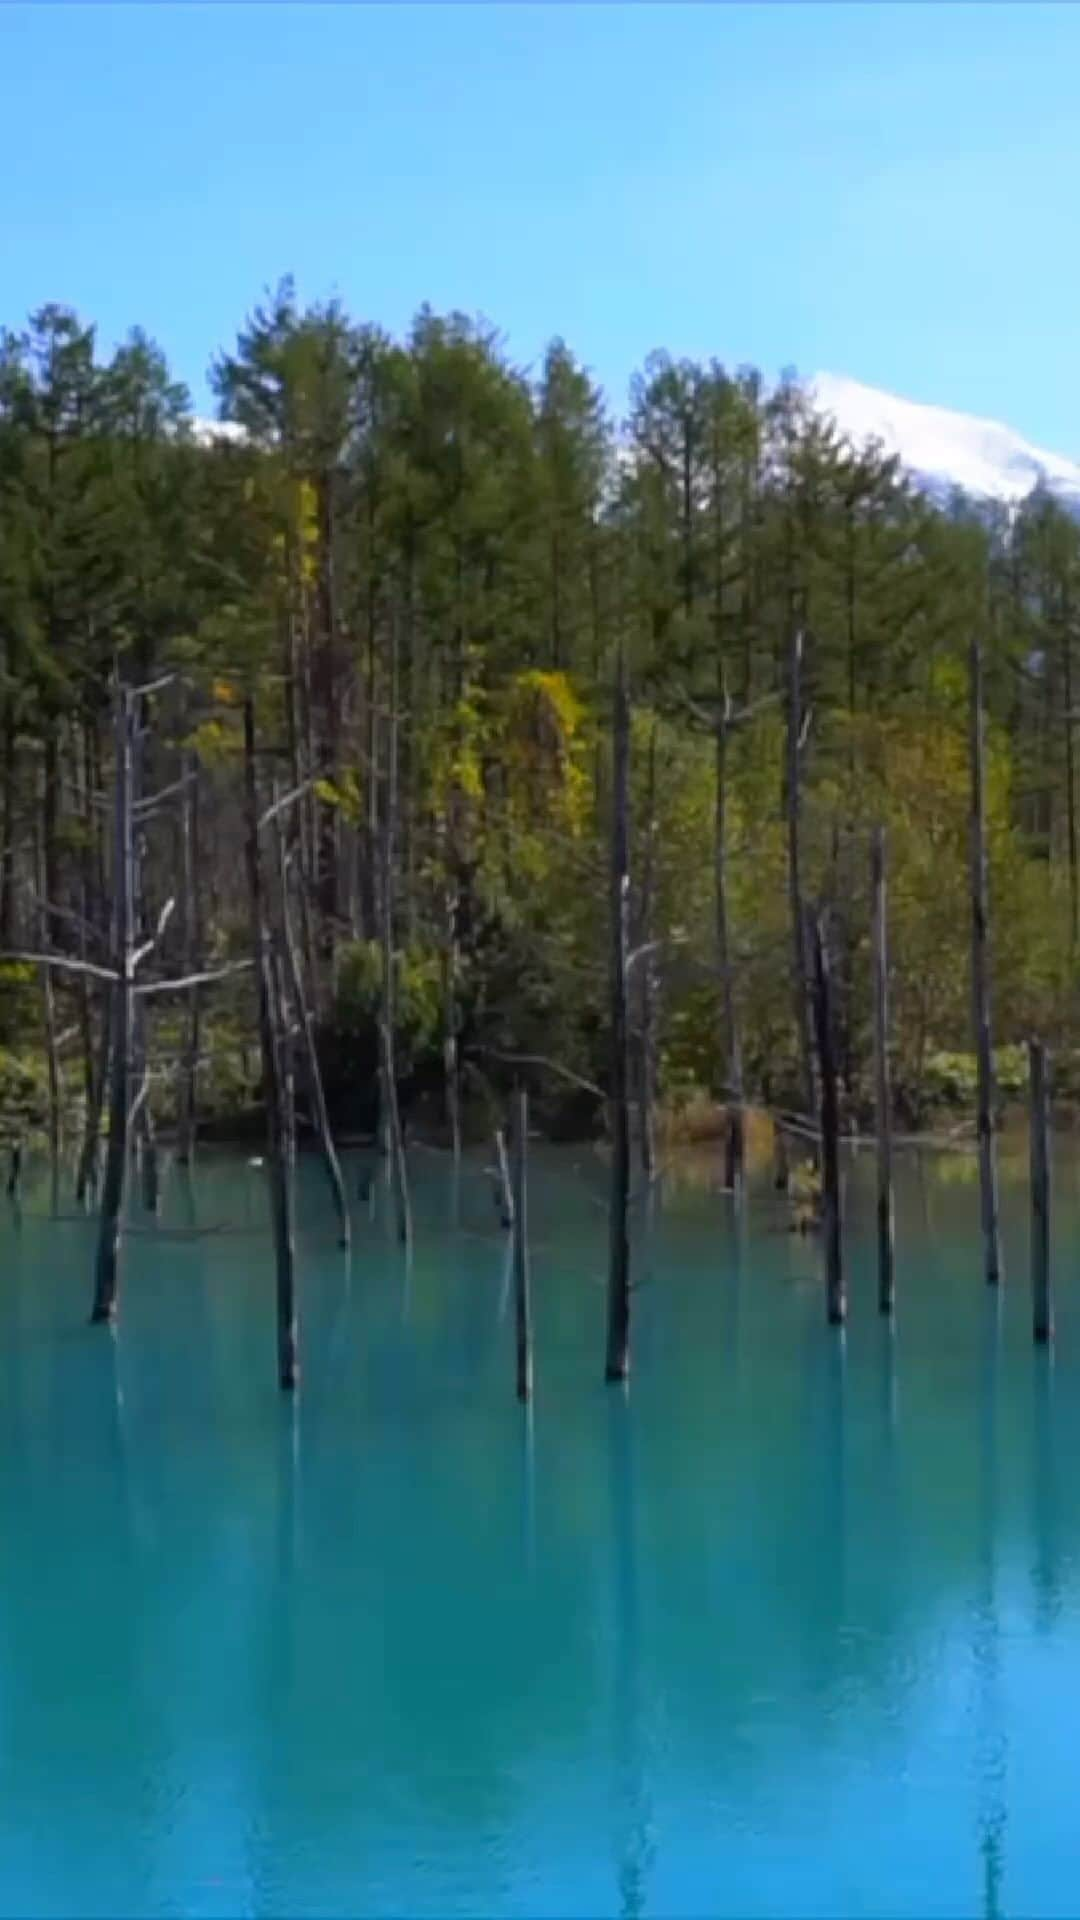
[794, 1627]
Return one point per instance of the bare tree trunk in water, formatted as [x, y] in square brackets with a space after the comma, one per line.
[835, 1296]
[93, 1086]
[87, 1176]
[106, 1284]
[1041, 1295]
[520, 1248]
[284, 1034]
[189, 855]
[793, 802]
[886, 1231]
[451, 1072]
[735, 1148]
[391, 1116]
[144, 1119]
[49, 1011]
[314, 1074]
[277, 1171]
[504, 1190]
[980, 977]
[647, 991]
[618, 1320]
[140, 1118]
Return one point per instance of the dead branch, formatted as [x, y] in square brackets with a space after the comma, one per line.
[189, 980]
[148, 946]
[58, 960]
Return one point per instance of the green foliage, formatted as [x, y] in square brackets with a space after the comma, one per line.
[418, 1002]
[23, 1095]
[411, 544]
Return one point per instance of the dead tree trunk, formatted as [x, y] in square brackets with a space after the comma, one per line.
[52, 1065]
[647, 991]
[520, 1248]
[882, 1088]
[284, 1032]
[504, 1190]
[146, 1140]
[1070, 770]
[451, 1062]
[618, 1319]
[796, 722]
[277, 1170]
[735, 1147]
[87, 1175]
[980, 977]
[391, 1115]
[95, 1068]
[835, 1297]
[189, 861]
[1041, 1294]
[106, 1282]
[316, 1092]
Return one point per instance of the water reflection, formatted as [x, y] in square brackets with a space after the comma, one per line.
[392, 1645]
[991, 1744]
[633, 1849]
[1045, 1492]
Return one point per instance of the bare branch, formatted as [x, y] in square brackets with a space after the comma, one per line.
[700, 714]
[152, 686]
[286, 800]
[190, 980]
[59, 960]
[158, 799]
[653, 946]
[541, 1060]
[148, 946]
[140, 1098]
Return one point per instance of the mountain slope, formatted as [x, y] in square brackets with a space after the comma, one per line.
[942, 449]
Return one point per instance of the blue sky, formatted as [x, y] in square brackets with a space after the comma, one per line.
[889, 192]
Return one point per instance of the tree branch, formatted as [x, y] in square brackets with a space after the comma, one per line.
[286, 800]
[190, 980]
[59, 960]
[541, 1060]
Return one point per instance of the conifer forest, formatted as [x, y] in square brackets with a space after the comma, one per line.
[345, 739]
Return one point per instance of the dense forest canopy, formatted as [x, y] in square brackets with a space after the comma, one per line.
[416, 555]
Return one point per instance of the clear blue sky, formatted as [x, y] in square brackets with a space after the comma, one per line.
[889, 192]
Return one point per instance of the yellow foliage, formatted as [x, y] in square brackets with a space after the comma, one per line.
[215, 741]
[306, 520]
[541, 739]
[342, 793]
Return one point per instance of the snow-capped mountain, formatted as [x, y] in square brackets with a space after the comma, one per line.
[942, 449]
[207, 431]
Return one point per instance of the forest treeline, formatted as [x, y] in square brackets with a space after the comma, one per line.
[422, 564]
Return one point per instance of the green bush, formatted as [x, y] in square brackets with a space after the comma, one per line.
[418, 999]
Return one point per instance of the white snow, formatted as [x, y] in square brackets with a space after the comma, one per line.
[207, 431]
[942, 449]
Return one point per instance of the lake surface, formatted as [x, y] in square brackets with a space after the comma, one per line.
[791, 1627]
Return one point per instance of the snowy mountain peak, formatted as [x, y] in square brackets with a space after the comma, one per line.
[942, 449]
[206, 431]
